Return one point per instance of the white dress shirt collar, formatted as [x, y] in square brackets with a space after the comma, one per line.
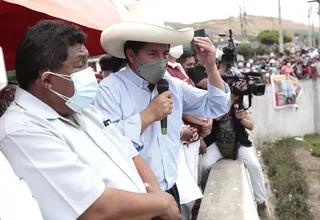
[31, 103]
[134, 77]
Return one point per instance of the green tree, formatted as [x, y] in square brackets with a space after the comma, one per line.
[272, 37]
[245, 50]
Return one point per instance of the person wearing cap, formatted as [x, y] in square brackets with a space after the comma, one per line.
[74, 160]
[130, 97]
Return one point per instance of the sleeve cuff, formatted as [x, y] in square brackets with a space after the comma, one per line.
[133, 150]
[132, 130]
[91, 197]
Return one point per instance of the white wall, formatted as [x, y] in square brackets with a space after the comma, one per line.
[228, 194]
[271, 123]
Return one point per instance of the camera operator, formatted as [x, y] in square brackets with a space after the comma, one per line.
[229, 139]
[226, 70]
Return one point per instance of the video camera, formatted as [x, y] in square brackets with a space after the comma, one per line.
[253, 86]
[229, 53]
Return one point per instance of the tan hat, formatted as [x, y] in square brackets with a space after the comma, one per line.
[142, 24]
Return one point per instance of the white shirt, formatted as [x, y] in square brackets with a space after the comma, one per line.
[67, 165]
[16, 201]
[123, 95]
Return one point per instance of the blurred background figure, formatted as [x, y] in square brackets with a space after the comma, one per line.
[273, 67]
[110, 64]
[187, 60]
[7, 96]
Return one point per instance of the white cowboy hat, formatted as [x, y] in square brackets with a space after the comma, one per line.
[142, 24]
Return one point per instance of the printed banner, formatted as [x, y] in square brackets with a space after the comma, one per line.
[286, 90]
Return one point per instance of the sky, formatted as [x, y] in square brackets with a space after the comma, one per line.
[191, 11]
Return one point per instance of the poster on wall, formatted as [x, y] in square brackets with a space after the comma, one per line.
[286, 91]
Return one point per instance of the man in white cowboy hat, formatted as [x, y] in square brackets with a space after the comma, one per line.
[129, 97]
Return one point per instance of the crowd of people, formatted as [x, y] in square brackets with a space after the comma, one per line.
[82, 148]
[302, 64]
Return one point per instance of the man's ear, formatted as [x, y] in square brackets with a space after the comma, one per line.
[44, 79]
[130, 54]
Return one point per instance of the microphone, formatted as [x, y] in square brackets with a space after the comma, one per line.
[163, 86]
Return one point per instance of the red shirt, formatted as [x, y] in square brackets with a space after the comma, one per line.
[177, 72]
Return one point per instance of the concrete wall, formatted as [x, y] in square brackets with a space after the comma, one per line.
[228, 194]
[271, 123]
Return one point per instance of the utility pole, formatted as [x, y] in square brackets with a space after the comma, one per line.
[316, 106]
[317, 1]
[281, 47]
[245, 23]
[310, 29]
[318, 12]
[241, 23]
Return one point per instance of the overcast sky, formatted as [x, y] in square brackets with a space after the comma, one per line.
[190, 11]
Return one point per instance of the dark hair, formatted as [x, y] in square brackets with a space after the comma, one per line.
[135, 46]
[43, 46]
[185, 56]
[114, 64]
[197, 73]
[105, 59]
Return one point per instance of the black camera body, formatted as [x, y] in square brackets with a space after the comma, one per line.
[229, 52]
[254, 86]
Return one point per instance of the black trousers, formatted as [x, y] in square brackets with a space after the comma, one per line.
[175, 193]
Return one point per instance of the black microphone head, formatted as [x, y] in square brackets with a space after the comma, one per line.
[162, 86]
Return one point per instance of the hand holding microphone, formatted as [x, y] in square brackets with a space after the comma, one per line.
[161, 106]
[162, 87]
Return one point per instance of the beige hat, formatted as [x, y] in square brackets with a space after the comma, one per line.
[142, 24]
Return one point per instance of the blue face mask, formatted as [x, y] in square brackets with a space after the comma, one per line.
[85, 89]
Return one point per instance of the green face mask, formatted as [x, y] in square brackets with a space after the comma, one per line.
[153, 71]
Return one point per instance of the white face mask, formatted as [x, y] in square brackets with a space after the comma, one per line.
[176, 52]
[288, 64]
[85, 89]
[240, 65]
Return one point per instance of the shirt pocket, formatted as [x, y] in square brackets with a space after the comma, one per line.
[118, 140]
